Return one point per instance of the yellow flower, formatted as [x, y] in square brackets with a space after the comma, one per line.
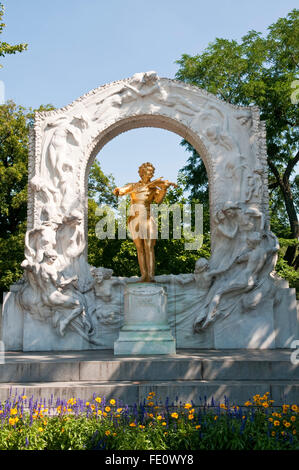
[87, 403]
[198, 426]
[12, 421]
[141, 426]
[294, 408]
[98, 400]
[271, 419]
[14, 411]
[112, 402]
[40, 429]
[285, 408]
[159, 417]
[247, 403]
[287, 424]
[216, 417]
[99, 412]
[24, 397]
[107, 408]
[174, 415]
[273, 433]
[62, 430]
[119, 410]
[293, 418]
[151, 415]
[276, 423]
[92, 407]
[187, 406]
[265, 404]
[165, 434]
[222, 405]
[114, 434]
[1, 411]
[164, 423]
[150, 403]
[294, 432]
[133, 425]
[191, 417]
[104, 414]
[107, 433]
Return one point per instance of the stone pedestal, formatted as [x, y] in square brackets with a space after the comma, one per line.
[146, 330]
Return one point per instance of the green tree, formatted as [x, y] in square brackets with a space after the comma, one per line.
[257, 71]
[14, 130]
[6, 48]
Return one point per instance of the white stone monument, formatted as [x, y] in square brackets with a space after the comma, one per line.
[232, 300]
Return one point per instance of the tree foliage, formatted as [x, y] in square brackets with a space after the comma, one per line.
[6, 48]
[14, 130]
[256, 71]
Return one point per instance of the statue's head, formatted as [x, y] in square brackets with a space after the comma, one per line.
[146, 171]
[100, 274]
[50, 256]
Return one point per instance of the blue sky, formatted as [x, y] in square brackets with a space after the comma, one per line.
[78, 45]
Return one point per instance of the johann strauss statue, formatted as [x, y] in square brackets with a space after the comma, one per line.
[141, 223]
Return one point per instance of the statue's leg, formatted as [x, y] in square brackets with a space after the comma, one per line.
[141, 258]
[150, 258]
[73, 314]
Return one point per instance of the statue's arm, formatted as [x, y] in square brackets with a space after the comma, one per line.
[160, 195]
[123, 190]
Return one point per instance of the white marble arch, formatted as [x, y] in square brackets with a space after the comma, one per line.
[230, 139]
[63, 303]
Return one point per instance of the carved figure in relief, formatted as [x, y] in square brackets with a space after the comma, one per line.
[56, 150]
[259, 253]
[108, 306]
[39, 240]
[60, 294]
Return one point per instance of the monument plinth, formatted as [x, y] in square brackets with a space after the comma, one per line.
[145, 330]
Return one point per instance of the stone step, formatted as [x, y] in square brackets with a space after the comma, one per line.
[187, 375]
[103, 366]
[237, 392]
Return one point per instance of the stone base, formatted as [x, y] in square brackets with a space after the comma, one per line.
[146, 330]
[144, 341]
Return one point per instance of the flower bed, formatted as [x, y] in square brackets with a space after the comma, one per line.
[108, 425]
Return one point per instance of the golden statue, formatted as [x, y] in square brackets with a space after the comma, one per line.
[140, 222]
